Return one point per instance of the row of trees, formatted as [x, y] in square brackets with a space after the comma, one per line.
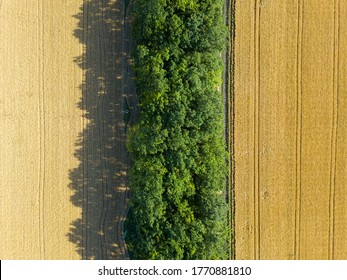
[178, 208]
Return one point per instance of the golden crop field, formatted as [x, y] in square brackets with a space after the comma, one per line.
[290, 129]
[63, 186]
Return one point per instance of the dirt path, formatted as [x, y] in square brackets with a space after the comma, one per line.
[63, 186]
[290, 144]
[339, 197]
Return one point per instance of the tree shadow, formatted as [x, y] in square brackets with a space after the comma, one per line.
[108, 103]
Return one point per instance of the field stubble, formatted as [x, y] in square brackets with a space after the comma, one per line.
[289, 129]
[64, 165]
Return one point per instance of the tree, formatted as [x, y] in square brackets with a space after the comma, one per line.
[178, 208]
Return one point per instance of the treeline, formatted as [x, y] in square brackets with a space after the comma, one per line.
[178, 207]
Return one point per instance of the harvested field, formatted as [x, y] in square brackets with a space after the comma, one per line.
[290, 129]
[65, 82]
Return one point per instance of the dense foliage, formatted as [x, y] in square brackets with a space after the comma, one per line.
[178, 206]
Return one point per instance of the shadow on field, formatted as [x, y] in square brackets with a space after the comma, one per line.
[100, 182]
